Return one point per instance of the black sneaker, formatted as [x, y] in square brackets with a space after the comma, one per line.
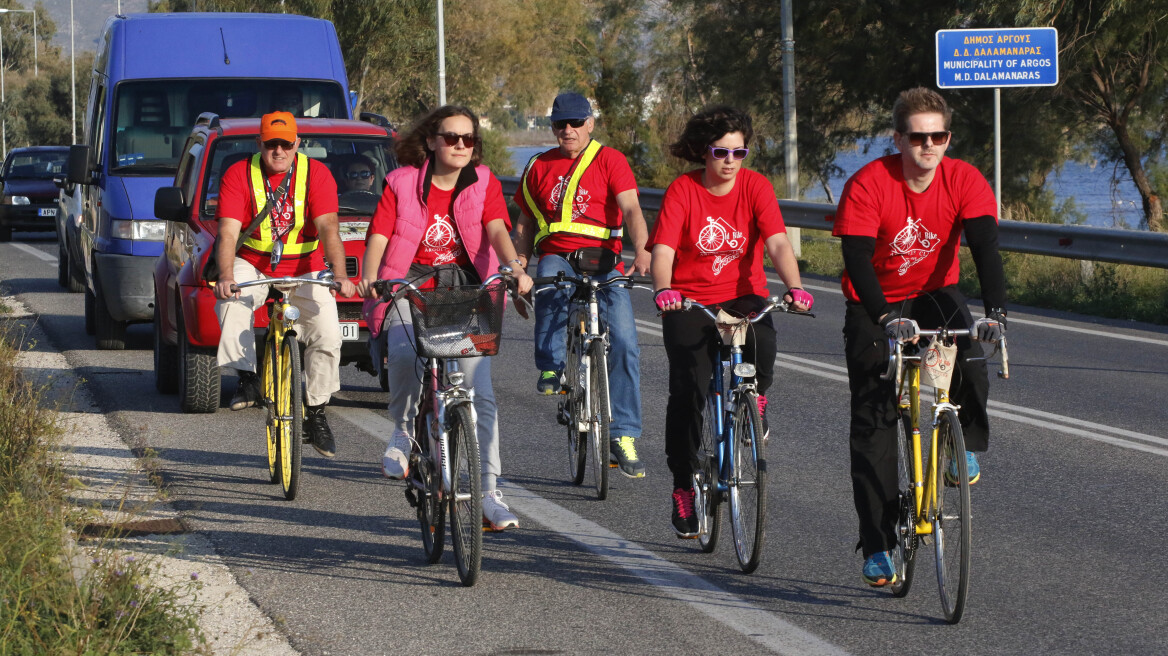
[247, 393]
[685, 518]
[317, 429]
[548, 383]
[622, 454]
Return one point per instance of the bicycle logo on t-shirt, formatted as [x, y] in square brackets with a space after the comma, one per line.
[721, 240]
[579, 203]
[913, 243]
[442, 238]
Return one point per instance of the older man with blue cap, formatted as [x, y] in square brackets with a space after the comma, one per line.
[577, 200]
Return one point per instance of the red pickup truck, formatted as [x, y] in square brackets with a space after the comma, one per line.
[186, 330]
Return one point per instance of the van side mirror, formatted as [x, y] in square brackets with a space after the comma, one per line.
[77, 168]
[170, 206]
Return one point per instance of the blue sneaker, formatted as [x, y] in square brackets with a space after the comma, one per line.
[971, 467]
[878, 570]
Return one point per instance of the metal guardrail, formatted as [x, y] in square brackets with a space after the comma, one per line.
[1069, 241]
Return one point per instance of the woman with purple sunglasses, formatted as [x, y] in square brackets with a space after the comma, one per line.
[715, 224]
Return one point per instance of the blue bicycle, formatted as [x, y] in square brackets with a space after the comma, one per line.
[731, 456]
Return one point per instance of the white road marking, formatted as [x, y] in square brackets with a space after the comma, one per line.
[1068, 425]
[759, 625]
[36, 252]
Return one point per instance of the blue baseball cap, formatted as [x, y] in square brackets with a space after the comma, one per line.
[569, 106]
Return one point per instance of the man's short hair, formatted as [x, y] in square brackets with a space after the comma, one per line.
[920, 100]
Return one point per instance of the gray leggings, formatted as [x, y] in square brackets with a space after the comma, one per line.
[406, 369]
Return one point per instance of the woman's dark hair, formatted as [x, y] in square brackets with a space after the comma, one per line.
[708, 126]
[412, 149]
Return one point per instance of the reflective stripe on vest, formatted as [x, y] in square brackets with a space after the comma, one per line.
[291, 244]
[567, 198]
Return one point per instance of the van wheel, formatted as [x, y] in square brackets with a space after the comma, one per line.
[165, 357]
[63, 276]
[6, 233]
[111, 334]
[198, 374]
[90, 302]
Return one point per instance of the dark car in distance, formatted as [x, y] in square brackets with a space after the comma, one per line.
[29, 196]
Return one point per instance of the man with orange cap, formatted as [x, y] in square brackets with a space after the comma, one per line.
[296, 238]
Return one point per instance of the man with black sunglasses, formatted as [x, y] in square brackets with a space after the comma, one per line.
[576, 200]
[298, 232]
[900, 221]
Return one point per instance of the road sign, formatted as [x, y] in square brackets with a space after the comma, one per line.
[1003, 57]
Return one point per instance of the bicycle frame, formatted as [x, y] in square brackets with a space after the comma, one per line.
[443, 393]
[590, 333]
[724, 412]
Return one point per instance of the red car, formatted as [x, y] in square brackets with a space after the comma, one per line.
[186, 330]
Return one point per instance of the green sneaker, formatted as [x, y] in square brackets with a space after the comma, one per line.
[548, 383]
[622, 454]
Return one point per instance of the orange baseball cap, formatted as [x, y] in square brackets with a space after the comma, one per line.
[278, 125]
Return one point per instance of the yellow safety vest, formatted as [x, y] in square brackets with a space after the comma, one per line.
[292, 243]
[567, 199]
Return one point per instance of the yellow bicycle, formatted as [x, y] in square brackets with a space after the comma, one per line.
[933, 479]
[282, 380]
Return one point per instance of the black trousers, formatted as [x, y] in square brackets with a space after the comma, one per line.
[873, 424]
[692, 344]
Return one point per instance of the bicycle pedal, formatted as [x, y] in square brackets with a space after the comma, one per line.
[562, 417]
[411, 497]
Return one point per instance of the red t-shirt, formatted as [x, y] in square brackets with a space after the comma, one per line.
[441, 243]
[236, 201]
[719, 240]
[917, 235]
[595, 201]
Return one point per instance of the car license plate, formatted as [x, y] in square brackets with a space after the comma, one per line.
[47, 211]
[350, 331]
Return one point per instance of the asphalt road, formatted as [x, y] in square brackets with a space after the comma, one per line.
[1069, 516]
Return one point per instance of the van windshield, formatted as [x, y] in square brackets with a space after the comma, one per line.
[152, 118]
[38, 164]
[358, 164]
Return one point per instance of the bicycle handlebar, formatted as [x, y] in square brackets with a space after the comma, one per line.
[389, 289]
[561, 279]
[291, 281]
[945, 333]
[774, 304]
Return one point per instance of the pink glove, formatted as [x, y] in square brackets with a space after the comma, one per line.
[799, 296]
[667, 297]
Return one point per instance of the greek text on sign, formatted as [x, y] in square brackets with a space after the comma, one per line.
[1005, 57]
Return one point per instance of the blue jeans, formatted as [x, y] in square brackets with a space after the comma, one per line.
[624, 356]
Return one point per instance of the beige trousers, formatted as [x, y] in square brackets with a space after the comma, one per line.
[318, 329]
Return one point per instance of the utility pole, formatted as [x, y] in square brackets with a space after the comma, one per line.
[441, 57]
[791, 135]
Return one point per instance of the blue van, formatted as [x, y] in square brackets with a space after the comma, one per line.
[154, 74]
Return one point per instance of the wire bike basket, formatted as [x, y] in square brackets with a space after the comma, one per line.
[458, 322]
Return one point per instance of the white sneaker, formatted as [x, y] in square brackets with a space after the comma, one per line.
[395, 462]
[496, 515]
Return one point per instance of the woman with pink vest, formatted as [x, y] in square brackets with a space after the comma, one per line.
[441, 211]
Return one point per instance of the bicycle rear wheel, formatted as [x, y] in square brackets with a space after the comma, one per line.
[575, 410]
[952, 521]
[748, 483]
[291, 415]
[599, 418]
[904, 555]
[466, 499]
[707, 500]
[271, 402]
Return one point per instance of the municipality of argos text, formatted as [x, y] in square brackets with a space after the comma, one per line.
[997, 58]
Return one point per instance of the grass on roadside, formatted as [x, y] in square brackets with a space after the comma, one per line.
[56, 598]
[1117, 291]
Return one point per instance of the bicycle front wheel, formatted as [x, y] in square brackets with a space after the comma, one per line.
[707, 500]
[424, 479]
[904, 555]
[269, 378]
[466, 499]
[748, 483]
[291, 415]
[576, 411]
[599, 418]
[952, 520]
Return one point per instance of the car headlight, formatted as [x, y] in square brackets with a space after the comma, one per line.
[16, 200]
[138, 230]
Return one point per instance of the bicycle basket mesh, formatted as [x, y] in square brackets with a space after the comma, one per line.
[457, 322]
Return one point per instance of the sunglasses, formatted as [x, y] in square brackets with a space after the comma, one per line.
[359, 175]
[272, 144]
[574, 122]
[452, 139]
[938, 138]
[719, 152]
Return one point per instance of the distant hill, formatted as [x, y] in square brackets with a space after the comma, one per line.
[89, 16]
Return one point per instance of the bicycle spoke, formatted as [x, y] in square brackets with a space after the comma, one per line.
[291, 415]
[599, 418]
[748, 484]
[952, 519]
[706, 497]
[904, 555]
[466, 499]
